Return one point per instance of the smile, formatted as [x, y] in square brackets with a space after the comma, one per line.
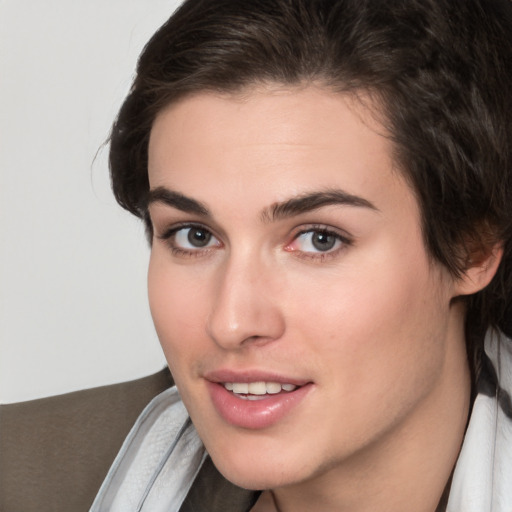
[257, 404]
[257, 390]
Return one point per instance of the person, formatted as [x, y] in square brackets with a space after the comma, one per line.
[326, 188]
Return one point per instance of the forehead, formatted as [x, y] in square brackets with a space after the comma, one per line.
[273, 142]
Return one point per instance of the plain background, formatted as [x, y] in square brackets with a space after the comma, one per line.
[73, 305]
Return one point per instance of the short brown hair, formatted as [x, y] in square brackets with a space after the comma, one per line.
[441, 69]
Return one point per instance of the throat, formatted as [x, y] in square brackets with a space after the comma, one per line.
[266, 503]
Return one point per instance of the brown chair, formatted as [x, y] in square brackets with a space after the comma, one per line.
[56, 451]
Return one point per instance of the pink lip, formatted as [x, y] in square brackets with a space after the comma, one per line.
[254, 414]
[226, 375]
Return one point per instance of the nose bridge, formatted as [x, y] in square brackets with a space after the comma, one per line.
[245, 309]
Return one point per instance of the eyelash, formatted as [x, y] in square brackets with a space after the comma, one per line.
[320, 256]
[169, 238]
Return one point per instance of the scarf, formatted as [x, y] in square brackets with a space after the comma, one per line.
[163, 466]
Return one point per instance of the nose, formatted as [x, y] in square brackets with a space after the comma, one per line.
[245, 309]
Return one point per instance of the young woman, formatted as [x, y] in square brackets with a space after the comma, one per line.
[326, 187]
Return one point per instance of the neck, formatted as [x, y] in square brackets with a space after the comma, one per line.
[408, 468]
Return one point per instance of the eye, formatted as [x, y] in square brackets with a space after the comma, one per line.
[318, 242]
[190, 239]
[322, 241]
[193, 237]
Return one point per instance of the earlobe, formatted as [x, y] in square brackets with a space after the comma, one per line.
[480, 270]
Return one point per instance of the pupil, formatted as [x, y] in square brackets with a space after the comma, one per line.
[323, 241]
[199, 237]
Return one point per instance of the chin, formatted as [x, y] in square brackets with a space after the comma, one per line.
[254, 480]
[257, 473]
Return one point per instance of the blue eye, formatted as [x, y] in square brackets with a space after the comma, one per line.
[193, 237]
[321, 241]
[190, 239]
[318, 241]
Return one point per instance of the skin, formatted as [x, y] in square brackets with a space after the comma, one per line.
[369, 323]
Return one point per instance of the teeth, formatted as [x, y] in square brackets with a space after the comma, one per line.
[240, 388]
[258, 388]
[273, 388]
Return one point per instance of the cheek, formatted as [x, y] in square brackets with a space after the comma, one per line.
[177, 306]
[380, 325]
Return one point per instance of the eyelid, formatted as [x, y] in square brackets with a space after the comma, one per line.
[345, 239]
[168, 237]
[325, 229]
[171, 230]
[174, 228]
[342, 236]
[308, 228]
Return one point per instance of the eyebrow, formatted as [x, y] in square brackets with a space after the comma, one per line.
[313, 201]
[177, 200]
[289, 208]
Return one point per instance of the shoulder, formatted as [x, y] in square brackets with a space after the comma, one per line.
[483, 473]
[157, 462]
[64, 445]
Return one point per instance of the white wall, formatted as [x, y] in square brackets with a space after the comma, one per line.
[73, 307]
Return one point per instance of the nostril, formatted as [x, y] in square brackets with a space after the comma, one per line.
[244, 309]
[250, 330]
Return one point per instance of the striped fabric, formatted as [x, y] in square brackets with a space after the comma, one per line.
[163, 467]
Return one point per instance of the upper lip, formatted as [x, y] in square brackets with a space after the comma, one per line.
[229, 375]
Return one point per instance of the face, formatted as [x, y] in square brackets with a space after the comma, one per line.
[299, 312]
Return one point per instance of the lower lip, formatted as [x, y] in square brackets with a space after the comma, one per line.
[255, 414]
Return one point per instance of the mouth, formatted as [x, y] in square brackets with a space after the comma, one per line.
[259, 390]
[256, 403]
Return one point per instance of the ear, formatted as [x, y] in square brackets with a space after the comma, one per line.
[481, 268]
